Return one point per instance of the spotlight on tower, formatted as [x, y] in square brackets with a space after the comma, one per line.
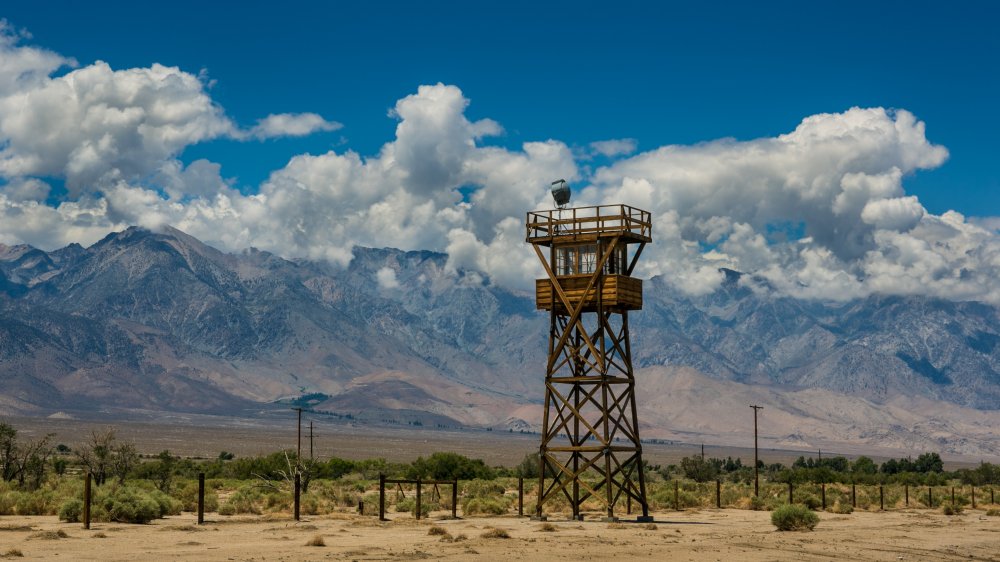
[561, 193]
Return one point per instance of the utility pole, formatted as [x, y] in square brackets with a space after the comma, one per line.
[298, 447]
[310, 440]
[702, 451]
[756, 475]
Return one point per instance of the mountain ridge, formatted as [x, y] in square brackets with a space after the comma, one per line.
[159, 320]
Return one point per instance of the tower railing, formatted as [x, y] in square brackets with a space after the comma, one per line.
[589, 223]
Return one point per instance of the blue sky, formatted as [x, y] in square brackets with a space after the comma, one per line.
[661, 73]
[821, 146]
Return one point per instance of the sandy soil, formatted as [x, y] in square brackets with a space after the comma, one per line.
[692, 535]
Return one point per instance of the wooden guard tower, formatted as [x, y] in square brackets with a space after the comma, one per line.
[590, 435]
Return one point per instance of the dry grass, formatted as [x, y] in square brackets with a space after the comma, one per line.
[436, 530]
[49, 535]
[994, 512]
[316, 541]
[15, 527]
[650, 526]
[495, 533]
[547, 528]
[99, 535]
[13, 553]
[617, 526]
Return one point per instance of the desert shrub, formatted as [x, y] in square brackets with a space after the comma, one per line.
[949, 509]
[241, 501]
[484, 506]
[6, 503]
[316, 541]
[436, 530]
[187, 494]
[71, 511]
[310, 504]
[547, 528]
[410, 505]
[495, 533]
[38, 502]
[167, 504]
[482, 489]
[130, 505]
[842, 508]
[279, 501]
[794, 517]
[13, 553]
[993, 512]
[663, 498]
[758, 504]
[810, 501]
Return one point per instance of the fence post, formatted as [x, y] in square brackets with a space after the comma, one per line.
[361, 507]
[791, 493]
[454, 499]
[906, 490]
[718, 494]
[381, 497]
[991, 495]
[628, 505]
[86, 502]
[520, 496]
[854, 495]
[201, 498]
[881, 497]
[822, 493]
[953, 496]
[973, 497]
[677, 499]
[930, 497]
[418, 499]
[298, 484]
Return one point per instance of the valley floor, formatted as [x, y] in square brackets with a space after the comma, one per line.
[690, 535]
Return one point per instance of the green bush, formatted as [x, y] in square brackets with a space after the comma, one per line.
[949, 509]
[71, 511]
[241, 501]
[993, 512]
[810, 501]
[38, 502]
[6, 503]
[794, 517]
[758, 504]
[167, 504]
[484, 506]
[130, 505]
[187, 494]
[482, 489]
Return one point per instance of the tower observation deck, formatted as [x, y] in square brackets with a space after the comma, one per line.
[590, 448]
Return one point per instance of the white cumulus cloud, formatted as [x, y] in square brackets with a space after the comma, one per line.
[818, 212]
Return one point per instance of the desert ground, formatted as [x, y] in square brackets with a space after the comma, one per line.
[697, 535]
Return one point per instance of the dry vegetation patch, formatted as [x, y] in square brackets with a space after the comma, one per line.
[547, 528]
[436, 530]
[49, 535]
[495, 533]
[19, 528]
[316, 541]
[12, 553]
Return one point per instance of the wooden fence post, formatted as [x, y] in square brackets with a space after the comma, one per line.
[361, 507]
[906, 490]
[881, 497]
[520, 496]
[677, 498]
[854, 495]
[298, 489]
[791, 493]
[201, 498]
[953, 496]
[930, 497]
[381, 497]
[973, 497]
[418, 499]
[718, 494]
[86, 502]
[822, 493]
[454, 499]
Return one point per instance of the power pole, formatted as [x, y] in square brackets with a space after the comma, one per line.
[298, 446]
[310, 440]
[702, 451]
[756, 475]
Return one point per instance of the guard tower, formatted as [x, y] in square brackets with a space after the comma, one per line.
[590, 435]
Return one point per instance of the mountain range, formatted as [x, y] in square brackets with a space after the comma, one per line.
[158, 321]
